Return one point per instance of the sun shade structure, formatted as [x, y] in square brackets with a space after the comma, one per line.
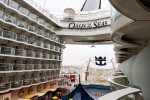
[79, 93]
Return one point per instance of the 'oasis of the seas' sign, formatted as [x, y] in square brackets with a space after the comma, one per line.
[89, 25]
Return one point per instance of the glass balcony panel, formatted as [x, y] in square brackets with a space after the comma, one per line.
[30, 54]
[24, 11]
[39, 43]
[44, 66]
[49, 78]
[37, 54]
[27, 81]
[37, 66]
[2, 14]
[22, 38]
[33, 16]
[17, 67]
[35, 80]
[32, 28]
[6, 67]
[6, 50]
[4, 86]
[19, 52]
[50, 66]
[16, 84]
[48, 25]
[41, 21]
[9, 34]
[13, 4]
[46, 45]
[29, 67]
[51, 56]
[11, 19]
[43, 79]
[32, 41]
[40, 32]
[46, 35]
[45, 55]
[22, 24]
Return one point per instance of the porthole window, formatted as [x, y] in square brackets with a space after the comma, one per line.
[30, 90]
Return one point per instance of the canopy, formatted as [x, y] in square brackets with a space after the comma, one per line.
[79, 93]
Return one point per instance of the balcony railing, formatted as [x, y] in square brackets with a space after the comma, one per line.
[4, 1]
[29, 66]
[6, 50]
[20, 52]
[13, 4]
[44, 66]
[32, 28]
[33, 16]
[21, 67]
[45, 55]
[41, 21]
[24, 11]
[38, 54]
[49, 78]
[27, 81]
[22, 24]
[5, 86]
[22, 38]
[5, 67]
[17, 67]
[29, 53]
[32, 41]
[37, 66]
[16, 84]
[35, 80]
[10, 19]
[42, 79]
[8, 34]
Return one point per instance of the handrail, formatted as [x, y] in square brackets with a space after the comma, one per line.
[120, 93]
[111, 80]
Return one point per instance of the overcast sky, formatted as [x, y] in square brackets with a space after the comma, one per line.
[79, 54]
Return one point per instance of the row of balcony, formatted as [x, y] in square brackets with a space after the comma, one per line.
[20, 67]
[27, 53]
[29, 28]
[15, 6]
[25, 82]
[25, 39]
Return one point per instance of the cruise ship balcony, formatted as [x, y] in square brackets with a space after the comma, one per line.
[5, 86]
[16, 84]
[18, 67]
[27, 82]
[49, 78]
[35, 80]
[37, 66]
[43, 79]
[44, 66]
[29, 66]
[5, 67]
